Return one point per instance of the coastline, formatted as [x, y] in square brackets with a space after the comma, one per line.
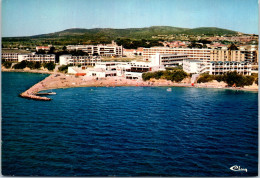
[57, 80]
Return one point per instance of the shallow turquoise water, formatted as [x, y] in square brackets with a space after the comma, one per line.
[127, 131]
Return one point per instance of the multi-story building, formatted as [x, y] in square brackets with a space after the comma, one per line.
[42, 58]
[216, 67]
[248, 55]
[168, 60]
[79, 60]
[11, 57]
[199, 54]
[99, 50]
[227, 55]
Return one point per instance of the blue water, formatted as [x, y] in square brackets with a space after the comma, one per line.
[127, 131]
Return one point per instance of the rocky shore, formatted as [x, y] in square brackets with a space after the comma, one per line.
[59, 80]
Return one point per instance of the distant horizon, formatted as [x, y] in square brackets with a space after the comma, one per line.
[34, 17]
[120, 29]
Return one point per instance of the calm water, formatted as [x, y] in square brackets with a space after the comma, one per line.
[127, 131]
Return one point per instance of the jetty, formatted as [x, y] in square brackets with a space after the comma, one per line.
[32, 92]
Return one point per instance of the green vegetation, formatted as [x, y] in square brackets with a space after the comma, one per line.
[134, 44]
[105, 35]
[205, 78]
[231, 78]
[49, 65]
[34, 65]
[20, 65]
[64, 68]
[176, 75]
[7, 64]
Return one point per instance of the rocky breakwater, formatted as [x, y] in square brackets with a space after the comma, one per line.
[31, 93]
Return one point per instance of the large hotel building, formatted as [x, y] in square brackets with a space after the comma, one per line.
[99, 50]
[205, 55]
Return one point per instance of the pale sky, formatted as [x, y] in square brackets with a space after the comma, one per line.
[33, 17]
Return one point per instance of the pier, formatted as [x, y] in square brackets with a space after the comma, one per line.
[32, 92]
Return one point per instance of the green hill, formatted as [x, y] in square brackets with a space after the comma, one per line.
[136, 33]
[105, 35]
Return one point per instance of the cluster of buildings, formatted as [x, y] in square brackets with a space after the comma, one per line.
[243, 54]
[193, 60]
[99, 50]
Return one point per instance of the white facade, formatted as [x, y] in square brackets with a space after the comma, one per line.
[196, 66]
[207, 55]
[216, 68]
[79, 60]
[133, 75]
[199, 54]
[12, 57]
[168, 60]
[100, 50]
[42, 58]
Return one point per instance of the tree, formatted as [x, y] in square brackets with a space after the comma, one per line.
[49, 65]
[52, 50]
[7, 64]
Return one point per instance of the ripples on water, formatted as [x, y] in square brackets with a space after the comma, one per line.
[127, 131]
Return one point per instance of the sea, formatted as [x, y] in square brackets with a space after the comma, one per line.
[128, 131]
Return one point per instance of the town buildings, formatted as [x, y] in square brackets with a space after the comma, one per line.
[42, 58]
[216, 67]
[99, 50]
[168, 60]
[79, 60]
[243, 54]
[199, 54]
[11, 57]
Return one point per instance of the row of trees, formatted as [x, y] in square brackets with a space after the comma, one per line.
[231, 78]
[34, 65]
[176, 75]
[134, 44]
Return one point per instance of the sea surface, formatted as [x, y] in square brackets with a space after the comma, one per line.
[128, 131]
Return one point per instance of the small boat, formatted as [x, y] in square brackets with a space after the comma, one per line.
[169, 89]
[51, 93]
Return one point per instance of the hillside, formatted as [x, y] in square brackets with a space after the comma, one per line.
[105, 35]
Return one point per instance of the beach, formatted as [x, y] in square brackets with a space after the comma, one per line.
[60, 80]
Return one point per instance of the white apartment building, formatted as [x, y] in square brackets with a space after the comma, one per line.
[216, 67]
[99, 50]
[195, 66]
[199, 54]
[168, 60]
[11, 57]
[79, 60]
[42, 58]
[248, 55]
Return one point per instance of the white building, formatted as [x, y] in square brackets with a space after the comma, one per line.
[196, 66]
[100, 50]
[216, 67]
[168, 60]
[11, 57]
[79, 60]
[219, 68]
[42, 58]
[199, 54]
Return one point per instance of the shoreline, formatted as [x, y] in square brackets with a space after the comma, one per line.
[57, 80]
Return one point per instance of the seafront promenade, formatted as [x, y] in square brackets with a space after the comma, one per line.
[60, 80]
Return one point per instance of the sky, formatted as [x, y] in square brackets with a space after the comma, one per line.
[33, 17]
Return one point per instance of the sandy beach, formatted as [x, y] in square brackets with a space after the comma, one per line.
[60, 80]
